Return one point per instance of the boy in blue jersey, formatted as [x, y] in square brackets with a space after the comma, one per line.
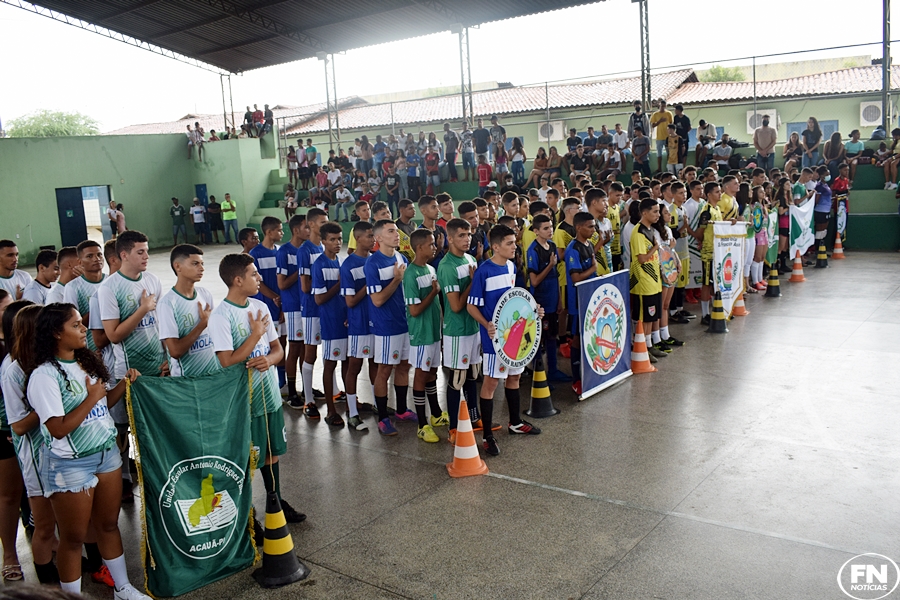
[580, 265]
[307, 254]
[326, 287]
[492, 278]
[288, 276]
[541, 258]
[361, 342]
[264, 256]
[384, 278]
[430, 209]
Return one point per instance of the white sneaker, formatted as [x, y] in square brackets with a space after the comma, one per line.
[887, 185]
[129, 592]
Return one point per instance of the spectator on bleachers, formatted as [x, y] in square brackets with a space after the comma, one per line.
[432, 171]
[834, 154]
[640, 146]
[540, 166]
[290, 202]
[638, 119]
[401, 168]
[498, 132]
[501, 160]
[605, 138]
[722, 152]
[366, 158]
[579, 164]
[660, 122]
[433, 142]
[590, 142]
[247, 126]
[190, 142]
[343, 201]
[482, 139]
[268, 121]
[451, 148]
[466, 137]
[259, 120]
[554, 163]
[891, 161]
[812, 138]
[374, 182]
[380, 150]
[706, 141]
[683, 129]
[623, 142]
[764, 139]
[611, 162]
[854, 150]
[792, 153]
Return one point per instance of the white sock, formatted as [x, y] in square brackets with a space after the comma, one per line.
[351, 404]
[72, 586]
[672, 312]
[704, 307]
[664, 332]
[654, 337]
[761, 271]
[307, 374]
[118, 571]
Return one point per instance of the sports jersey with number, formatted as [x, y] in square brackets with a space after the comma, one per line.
[645, 277]
[36, 292]
[425, 329]
[453, 276]
[353, 279]
[55, 394]
[546, 293]
[490, 282]
[307, 254]
[119, 299]
[326, 273]
[12, 381]
[708, 215]
[229, 328]
[389, 318]
[16, 282]
[579, 258]
[286, 262]
[178, 316]
[79, 292]
[266, 264]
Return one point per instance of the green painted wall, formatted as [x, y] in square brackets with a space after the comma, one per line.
[143, 173]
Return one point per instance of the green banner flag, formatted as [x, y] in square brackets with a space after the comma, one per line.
[193, 449]
[772, 232]
[802, 228]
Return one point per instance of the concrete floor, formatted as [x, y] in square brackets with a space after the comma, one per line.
[752, 465]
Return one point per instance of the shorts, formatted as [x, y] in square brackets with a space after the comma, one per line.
[114, 226]
[391, 349]
[502, 168]
[660, 147]
[554, 171]
[494, 367]
[215, 223]
[706, 277]
[303, 172]
[77, 474]
[176, 229]
[334, 349]
[460, 352]
[468, 160]
[646, 308]
[820, 218]
[762, 238]
[361, 346]
[312, 331]
[426, 357]
[273, 425]
[7, 450]
[293, 325]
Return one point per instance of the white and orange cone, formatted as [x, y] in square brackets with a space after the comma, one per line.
[797, 273]
[837, 253]
[466, 460]
[640, 358]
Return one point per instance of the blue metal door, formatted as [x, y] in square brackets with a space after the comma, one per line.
[72, 225]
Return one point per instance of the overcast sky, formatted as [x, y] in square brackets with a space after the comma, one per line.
[56, 66]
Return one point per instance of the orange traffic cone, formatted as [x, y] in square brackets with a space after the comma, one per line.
[838, 252]
[640, 358]
[466, 460]
[797, 273]
[739, 309]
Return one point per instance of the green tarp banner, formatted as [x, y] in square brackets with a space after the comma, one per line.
[193, 448]
[772, 232]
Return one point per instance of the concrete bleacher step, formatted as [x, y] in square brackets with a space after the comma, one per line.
[868, 177]
[872, 201]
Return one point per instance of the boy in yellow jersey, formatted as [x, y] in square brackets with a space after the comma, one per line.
[645, 279]
[595, 198]
[728, 206]
[673, 147]
[704, 235]
[614, 202]
[563, 235]
[681, 231]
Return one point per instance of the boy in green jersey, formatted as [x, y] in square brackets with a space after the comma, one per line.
[423, 313]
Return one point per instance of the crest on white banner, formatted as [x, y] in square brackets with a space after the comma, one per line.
[728, 261]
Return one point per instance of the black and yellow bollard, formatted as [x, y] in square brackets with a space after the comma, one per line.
[280, 565]
[717, 322]
[541, 403]
[773, 290]
[822, 256]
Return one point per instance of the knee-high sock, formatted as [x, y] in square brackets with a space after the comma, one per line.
[401, 391]
[512, 402]
[307, 374]
[453, 397]
[487, 413]
[551, 347]
[419, 403]
[433, 404]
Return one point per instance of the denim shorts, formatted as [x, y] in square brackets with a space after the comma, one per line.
[468, 160]
[77, 474]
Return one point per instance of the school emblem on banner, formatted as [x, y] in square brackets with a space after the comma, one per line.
[725, 273]
[604, 329]
[728, 261]
[518, 335]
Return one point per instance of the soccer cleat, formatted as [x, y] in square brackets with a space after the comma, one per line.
[653, 359]
[686, 314]
[490, 446]
[558, 375]
[441, 421]
[408, 416]
[102, 575]
[129, 592]
[705, 321]
[291, 515]
[663, 346]
[312, 411]
[523, 428]
[427, 434]
[452, 438]
[674, 342]
[576, 387]
[655, 351]
[385, 427]
[680, 320]
[357, 424]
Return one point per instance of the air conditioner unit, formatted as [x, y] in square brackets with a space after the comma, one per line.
[869, 114]
[553, 131]
[754, 118]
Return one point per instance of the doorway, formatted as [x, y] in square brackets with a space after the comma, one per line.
[82, 214]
